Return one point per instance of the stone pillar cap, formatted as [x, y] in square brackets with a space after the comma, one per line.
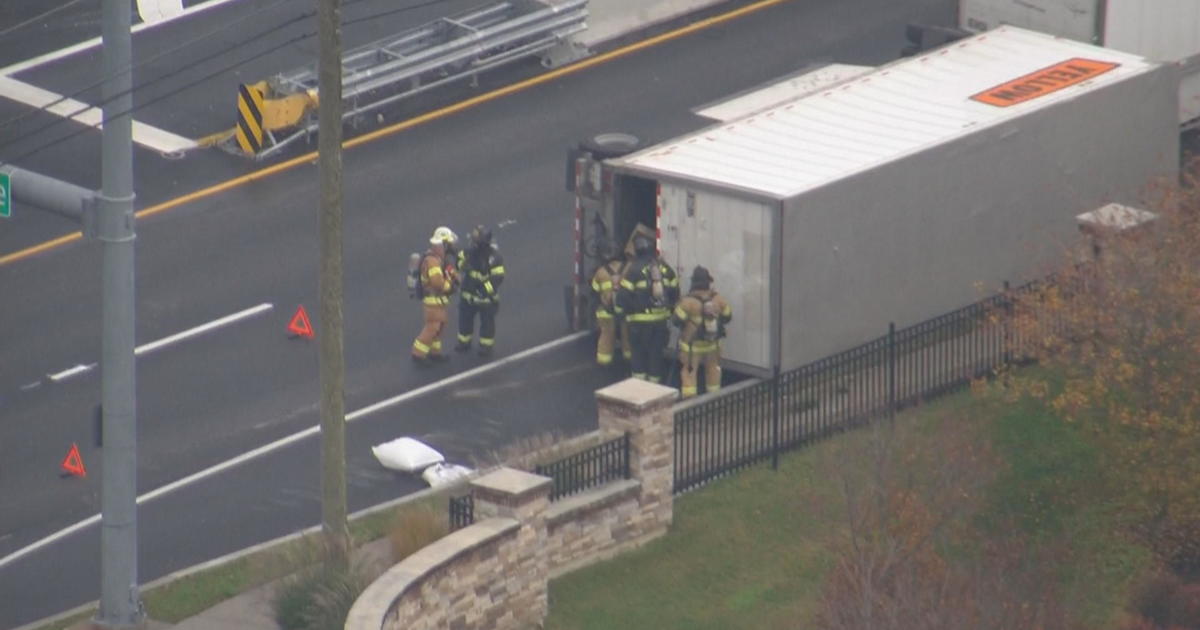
[634, 392]
[512, 482]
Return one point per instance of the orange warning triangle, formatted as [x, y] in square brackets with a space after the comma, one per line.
[73, 462]
[300, 326]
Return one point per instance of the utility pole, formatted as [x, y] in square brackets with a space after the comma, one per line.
[331, 360]
[120, 604]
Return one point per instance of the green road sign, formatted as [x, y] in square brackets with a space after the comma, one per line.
[5, 196]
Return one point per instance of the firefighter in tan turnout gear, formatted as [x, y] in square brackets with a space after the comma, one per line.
[437, 279]
[605, 283]
[701, 316]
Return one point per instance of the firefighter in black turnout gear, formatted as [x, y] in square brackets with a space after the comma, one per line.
[482, 270]
[649, 290]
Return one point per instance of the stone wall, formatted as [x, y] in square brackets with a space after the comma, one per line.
[595, 525]
[494, 574]
[413, 594]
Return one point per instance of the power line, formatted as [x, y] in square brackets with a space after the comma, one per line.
[72, 115]
[39, 17]
[157, 57]
[12, 141]
[152, 101]
[191, 42]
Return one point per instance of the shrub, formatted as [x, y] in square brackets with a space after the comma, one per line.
[1163, 600]
[317, 595]
[415, 528]
[293, 599]
[1120, 326]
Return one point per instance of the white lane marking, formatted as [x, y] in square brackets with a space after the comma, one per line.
[95, 41]
[203, 328]
[277, 444]
[68, 373]
[165, 341]
[487, 367]
[60, 534]
[150, 137]
[37, 98]
[30, 386]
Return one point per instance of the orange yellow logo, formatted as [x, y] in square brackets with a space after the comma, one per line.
[1043, 82]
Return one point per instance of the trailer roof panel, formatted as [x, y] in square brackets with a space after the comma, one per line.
[899, 109]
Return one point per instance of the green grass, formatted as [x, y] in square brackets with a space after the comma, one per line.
[754, 550]
[1054, 489]
[746, 551]
[63, 624]
[183, 598]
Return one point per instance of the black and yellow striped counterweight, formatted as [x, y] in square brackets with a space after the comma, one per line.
[249, 118]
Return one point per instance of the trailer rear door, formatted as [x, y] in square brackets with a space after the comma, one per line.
[732, 238]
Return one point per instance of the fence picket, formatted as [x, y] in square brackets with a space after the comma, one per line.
[901, 368]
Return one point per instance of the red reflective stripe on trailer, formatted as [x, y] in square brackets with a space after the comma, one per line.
[578, 225]
[658, 219]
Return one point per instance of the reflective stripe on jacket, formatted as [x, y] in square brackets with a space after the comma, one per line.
[482, 276]
[604, 281]
[635, 297]
[436, 283]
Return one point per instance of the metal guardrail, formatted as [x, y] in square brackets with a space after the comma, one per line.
[445, 50]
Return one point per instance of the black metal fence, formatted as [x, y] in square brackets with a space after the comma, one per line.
[596, 466]
[462, 511]
[756, 422]
[593, 467]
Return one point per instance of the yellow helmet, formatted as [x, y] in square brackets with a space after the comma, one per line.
[443, 235]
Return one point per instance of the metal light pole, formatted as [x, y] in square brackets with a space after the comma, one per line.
[120, 604]
[330, 357]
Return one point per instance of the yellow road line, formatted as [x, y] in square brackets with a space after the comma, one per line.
[413, 122]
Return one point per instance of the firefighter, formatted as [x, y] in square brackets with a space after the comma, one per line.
[482, 271]
[647, 294]
[437, 280]
[701, 317]
[604, 283]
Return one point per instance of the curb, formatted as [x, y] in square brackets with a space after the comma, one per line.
[236, 555]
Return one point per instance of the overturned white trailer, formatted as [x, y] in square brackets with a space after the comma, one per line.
[892, 195]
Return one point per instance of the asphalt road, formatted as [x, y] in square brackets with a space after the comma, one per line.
[213, 397]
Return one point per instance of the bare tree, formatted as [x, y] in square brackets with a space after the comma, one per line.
[903, 564]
